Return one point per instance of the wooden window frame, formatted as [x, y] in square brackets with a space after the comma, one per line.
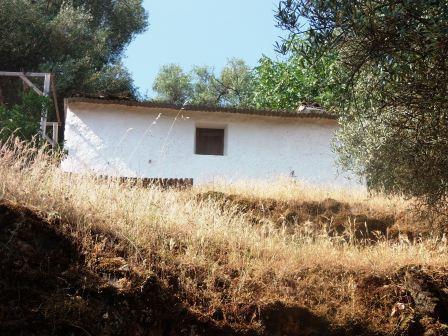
[203, 148]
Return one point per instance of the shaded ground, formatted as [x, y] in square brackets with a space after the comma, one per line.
[57, 282]
[48, 286]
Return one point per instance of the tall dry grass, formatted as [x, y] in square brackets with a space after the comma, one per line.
[287, 189]
[219, 256]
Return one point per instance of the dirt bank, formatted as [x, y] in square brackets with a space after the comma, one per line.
[57, 281]
[51, 285]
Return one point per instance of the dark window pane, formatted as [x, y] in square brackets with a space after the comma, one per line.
[209, 141]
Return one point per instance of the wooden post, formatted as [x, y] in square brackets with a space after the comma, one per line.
[43, 118]
[55, 100]
[55, 133]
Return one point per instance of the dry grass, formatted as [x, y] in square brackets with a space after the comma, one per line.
[286, 189]
[220, 257]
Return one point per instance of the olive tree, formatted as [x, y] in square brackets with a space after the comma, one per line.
[233, 86]
[392, 91]
[79, 41]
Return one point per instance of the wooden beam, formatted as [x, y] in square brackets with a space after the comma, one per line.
[55, 100]
[31, 85]
[28, 74]
[50, 140]
[55, 133]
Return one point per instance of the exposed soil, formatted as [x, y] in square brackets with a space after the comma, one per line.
[54, 281]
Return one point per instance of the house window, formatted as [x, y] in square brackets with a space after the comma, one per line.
[209, 141]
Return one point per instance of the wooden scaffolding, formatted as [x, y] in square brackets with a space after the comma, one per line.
[48, 88]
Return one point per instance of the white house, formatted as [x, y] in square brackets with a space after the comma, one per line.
[153, 140]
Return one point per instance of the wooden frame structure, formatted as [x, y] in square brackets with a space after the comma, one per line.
[48, 86]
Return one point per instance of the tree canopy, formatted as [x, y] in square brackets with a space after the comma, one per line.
[236, 84]
[233, 87]
[295, 80]
[393, 84]
[172, 84]
[80, 41]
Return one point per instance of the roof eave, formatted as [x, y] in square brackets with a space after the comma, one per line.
[311, 112]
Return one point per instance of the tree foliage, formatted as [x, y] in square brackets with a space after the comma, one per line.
[393, 98]
[233, 87]
[172, 84]
[296, 80]
[80, 41]
[235, 84]
[206, 89]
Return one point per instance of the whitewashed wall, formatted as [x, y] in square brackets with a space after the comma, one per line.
[144, 142]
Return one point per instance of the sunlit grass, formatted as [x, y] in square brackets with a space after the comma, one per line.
[201, 242]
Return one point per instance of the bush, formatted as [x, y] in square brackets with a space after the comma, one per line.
[22, 119]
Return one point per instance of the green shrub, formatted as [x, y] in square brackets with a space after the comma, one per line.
[22, 119]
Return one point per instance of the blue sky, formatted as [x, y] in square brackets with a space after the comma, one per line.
[201, 32]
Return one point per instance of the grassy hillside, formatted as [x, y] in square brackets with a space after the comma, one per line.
[248, 258]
